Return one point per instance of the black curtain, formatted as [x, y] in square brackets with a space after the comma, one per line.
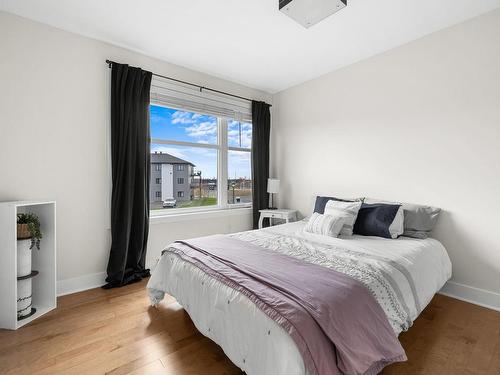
[130, 139]
[261, 130]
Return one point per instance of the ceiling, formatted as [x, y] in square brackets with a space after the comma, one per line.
[251, 42]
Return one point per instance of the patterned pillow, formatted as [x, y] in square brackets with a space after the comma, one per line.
[321, 201]
[325, 225]
[347, 209]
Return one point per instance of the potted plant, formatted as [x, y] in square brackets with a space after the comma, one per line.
[28, 227]
[28, 236]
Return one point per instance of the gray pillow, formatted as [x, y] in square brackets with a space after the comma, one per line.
[419, 220]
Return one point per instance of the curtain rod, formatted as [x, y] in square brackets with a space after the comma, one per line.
[110, 63]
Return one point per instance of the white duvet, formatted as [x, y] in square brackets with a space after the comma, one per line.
[255, 343]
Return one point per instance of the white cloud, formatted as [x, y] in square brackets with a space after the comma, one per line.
[239, 157]
[209, 140]
[197, 125]
[156, 118]
[181, 117]
[234, 138]
[203, 129]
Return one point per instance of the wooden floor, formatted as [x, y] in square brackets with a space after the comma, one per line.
[116, 332]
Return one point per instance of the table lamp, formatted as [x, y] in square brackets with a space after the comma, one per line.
[273, 187]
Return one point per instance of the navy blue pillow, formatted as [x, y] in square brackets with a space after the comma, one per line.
[321, 202]
[375, 219]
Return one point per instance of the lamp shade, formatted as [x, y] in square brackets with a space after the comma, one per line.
[273, 185]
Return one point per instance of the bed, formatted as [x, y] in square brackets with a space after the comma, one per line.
[402, 274]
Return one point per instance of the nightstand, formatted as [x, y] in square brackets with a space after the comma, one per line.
[280, 213]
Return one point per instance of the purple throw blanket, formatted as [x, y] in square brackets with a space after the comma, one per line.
[337, 325]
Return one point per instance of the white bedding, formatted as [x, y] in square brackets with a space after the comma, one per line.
[253, 341]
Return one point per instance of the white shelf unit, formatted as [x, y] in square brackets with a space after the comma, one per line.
[43, 260]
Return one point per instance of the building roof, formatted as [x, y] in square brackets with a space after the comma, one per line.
[164, 158]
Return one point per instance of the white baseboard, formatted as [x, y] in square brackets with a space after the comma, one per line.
[79, 284]
[477, 296]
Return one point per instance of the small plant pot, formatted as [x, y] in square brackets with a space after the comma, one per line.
[23, 232]
[23, 257]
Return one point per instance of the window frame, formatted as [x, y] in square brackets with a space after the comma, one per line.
[222, 147]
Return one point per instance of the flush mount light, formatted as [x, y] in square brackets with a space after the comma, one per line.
[310, 12]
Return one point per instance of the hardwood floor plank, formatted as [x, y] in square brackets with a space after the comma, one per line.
[153, 368]
[117, 332]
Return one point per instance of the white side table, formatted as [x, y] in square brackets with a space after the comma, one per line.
[280, 213]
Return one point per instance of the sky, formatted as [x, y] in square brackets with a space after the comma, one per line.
[172, 124]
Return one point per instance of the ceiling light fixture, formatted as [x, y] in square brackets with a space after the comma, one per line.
[310, 12]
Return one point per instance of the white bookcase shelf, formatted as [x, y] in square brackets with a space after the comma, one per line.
[43, 261]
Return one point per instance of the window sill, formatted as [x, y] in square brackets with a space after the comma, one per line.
[167, 217]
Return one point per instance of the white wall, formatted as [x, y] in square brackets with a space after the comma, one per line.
[420, 123]
[54, 121]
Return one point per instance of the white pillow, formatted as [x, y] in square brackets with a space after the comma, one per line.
[327, 225]
[347, 209]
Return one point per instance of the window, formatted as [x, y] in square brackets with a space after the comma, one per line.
[158, 181]
[158, 194]
[157, 167]
[239, 140]
[207, 151]
[239, 134]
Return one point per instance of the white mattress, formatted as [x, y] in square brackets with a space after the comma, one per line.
[253, 341]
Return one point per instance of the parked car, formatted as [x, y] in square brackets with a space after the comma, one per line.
[169, 203]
